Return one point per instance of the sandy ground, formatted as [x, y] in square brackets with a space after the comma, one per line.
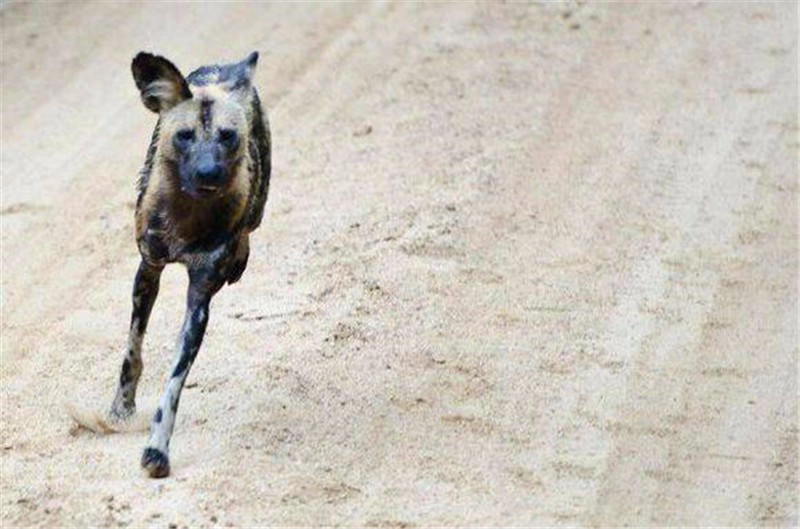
[521, 264]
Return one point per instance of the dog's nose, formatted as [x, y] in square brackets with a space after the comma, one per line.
[209, 175]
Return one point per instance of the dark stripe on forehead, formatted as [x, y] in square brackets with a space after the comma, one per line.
[205, 114]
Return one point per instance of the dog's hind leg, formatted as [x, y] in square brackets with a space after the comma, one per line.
[203, 284]
[145, 291]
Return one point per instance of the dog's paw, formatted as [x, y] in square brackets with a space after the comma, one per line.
[155, 462]
[120, 413]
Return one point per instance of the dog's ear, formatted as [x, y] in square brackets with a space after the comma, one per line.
[242, 72]
[161, 84]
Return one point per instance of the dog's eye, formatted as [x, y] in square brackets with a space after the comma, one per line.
[185, 135]
[227, 135]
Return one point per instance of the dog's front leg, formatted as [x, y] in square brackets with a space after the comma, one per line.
[145, 291]
[203, 285]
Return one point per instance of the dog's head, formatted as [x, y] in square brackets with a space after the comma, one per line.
[203, 119]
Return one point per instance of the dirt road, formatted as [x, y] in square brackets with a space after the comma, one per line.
[521, 264]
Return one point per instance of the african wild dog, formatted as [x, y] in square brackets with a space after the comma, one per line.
[201, 192]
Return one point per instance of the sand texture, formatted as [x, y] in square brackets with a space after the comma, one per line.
[521, 264]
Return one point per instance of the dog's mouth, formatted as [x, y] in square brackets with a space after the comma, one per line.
[208, 191]
[202, 191]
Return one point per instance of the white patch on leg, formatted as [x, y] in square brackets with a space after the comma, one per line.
[162, 431]
[135, 338]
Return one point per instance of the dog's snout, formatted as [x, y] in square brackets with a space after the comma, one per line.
[209, 175]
